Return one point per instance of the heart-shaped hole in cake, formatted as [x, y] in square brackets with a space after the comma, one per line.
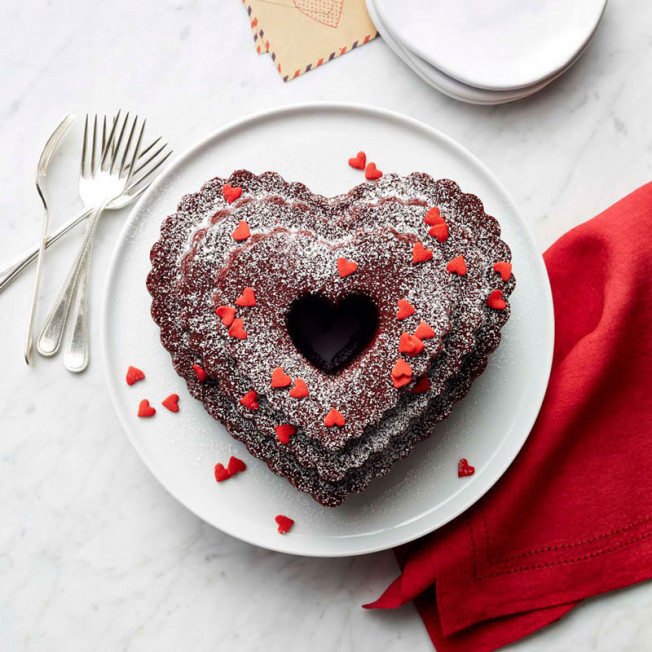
[330, 335]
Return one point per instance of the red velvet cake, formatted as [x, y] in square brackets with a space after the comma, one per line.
[406, 278]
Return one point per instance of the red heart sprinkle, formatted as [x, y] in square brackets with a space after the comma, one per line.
[457, 266]
[495, 300]
[145, 409]
[249, 400]
[401, 368]
[401, 373]
[226, 314]
[221, 473]
[405, 309]
[372, 172]
[346, 267]
[280, 378]
[433, 216]
[235, 465]
[171, 402]
[134, 375]
[284, 524]
[284, 432]
[504, 269]
[242, 232]
[247, 299]
[464, 468]
[405, 343]
[410, 344]
[358, 162]
[423, 385]
[420, 254]
[401, 381]
[300, 389]
[200, 373]
[334, 418]
[424, 332]
[439, 231]
[231, 193]
[237, 330]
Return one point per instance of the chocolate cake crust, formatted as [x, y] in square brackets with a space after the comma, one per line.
[474, 331]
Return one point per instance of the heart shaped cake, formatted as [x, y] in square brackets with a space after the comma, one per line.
[330, 335]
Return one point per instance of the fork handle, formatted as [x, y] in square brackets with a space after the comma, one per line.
[49, 339]
[16, 266]
[76, 352]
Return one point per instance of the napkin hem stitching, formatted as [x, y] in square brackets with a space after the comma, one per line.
[571, 544]
[560, 562]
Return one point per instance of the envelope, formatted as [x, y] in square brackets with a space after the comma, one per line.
[304, 34]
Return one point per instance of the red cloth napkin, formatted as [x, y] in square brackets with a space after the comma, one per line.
[572, 517]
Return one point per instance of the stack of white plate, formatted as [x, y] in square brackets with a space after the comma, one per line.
[487, 51]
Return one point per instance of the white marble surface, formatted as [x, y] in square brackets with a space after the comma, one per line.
[94, 555]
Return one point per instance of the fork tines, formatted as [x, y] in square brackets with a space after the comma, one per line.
[136, 164]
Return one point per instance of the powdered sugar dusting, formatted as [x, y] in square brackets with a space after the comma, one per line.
[196, 244]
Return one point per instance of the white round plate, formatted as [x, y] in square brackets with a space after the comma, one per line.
[311, 143]
[449, 85]
[499, 45]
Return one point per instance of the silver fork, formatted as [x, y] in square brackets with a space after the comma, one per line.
[106, 176]
[41, 177]
[76, 352]
[151, 158]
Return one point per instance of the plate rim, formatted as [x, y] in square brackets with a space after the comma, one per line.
[577, 52]
[360, 109]
[457, 88]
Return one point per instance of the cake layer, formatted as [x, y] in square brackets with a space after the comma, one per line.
[281, 267]
[379, 446]
[281, 461]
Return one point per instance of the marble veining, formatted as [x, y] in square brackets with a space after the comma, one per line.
[94, 554]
